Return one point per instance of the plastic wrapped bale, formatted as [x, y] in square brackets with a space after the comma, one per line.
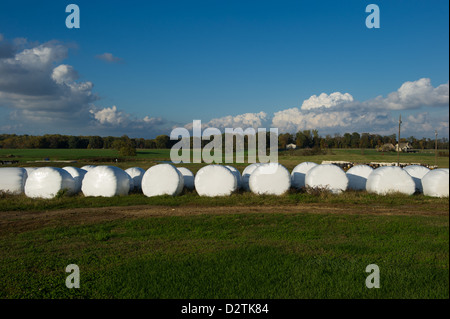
[357, 177]
[215, 180]
[299, 173]
[246, 175]
[87, 168]
[47, 182]
[417, 172]
[77, 174]
[131, 183]
[162, 179]
[390, 179]
[237, 174]
[270, 179]
[327, 177]
[188, 177]
[105, 181]
[136, 174]
[12, 180]
[30, 169]
[435, 183]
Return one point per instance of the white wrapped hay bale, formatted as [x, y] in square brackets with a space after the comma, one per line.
[30, 169]
[328, 177]
[237, 174]
[105, 181]
[270, 179]
[162, 179]
[357, 177]
[417, 172]
[188, 177]
[12, 180]
[435, 183]
[87, 168]
[390, 179]
[46, 182]
[246, 175]
[299, 173]
[77, 174]
[215, 180]
[136, 174]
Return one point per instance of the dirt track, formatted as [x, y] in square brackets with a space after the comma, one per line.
[17, 222]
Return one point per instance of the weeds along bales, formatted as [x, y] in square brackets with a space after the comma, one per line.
[47, 182]
[417, 172]
[328, 177]
[299, 173]
[136, 174]
[188, 177]
[12, 180]
[357, 177]
[237, 174]
[270, 179]
[77, 174]
[162, 179]
[435, 183]
[215, 180]
[390, 179]
[246, 175]
[105, 181]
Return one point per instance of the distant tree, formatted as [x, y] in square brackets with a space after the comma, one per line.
[95, 142]
[162, 141]
[127, 150]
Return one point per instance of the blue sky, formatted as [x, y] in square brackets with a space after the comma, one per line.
[150, 66]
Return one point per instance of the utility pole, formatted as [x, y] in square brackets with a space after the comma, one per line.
[398, 144]
[435, 148]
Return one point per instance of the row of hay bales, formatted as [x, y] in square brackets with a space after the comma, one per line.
[220, 180]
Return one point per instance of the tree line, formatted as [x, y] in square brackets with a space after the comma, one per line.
[302, 139]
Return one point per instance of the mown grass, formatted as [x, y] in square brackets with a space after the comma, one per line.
[191, 198]
[231, 256]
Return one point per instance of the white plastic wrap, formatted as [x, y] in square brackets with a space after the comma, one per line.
[435, 183]
[136, 174]
[46, 182]
[417, 172]
[188, 177]
[246, 175]
[357, 177]
[270, 179]
[237, 174]
[327, 176]
[77, 174]
[390, 179]
[105, 181]
[299, 173]
[30, 169]
[215, 180]
[162, 179]
[87, 168]
[12, 180]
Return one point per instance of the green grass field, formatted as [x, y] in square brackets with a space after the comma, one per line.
[297, 245]
[147, 157]
[273, 255]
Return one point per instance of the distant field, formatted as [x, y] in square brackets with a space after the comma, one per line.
[148, 157]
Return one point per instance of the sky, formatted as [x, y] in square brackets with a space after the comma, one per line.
[142, 68]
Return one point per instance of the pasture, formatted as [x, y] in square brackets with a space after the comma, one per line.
[293, 246]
